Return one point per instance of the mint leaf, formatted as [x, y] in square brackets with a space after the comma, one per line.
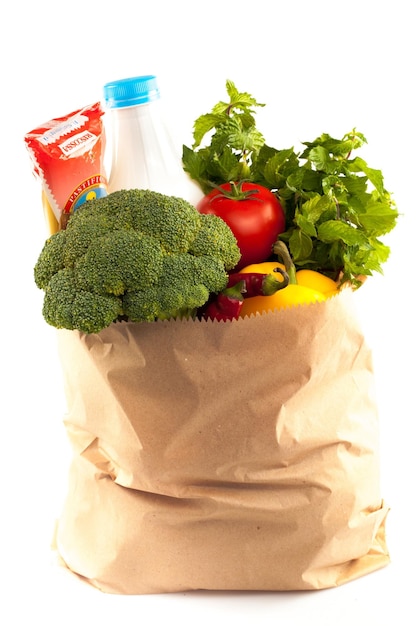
[316, 207]
[192, 162]
[203, 125]
[301, 245]
[305, 225]
[374, 176]
[378, 255]
[223, 167]
[356, 186]
[295, 181]
[242, 137]
[334, 230]
[379, 218]
[242, 101]
[321, 158]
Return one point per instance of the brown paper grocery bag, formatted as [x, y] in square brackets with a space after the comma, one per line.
[223, 456]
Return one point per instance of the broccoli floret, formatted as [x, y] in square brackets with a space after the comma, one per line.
[173, 221]
[81, 234]
[115, 211]
[185, 285]
[142, 306]
[95, 219]
[66, 306]
[51, 259]
[215, 238]
[157, 304]
[133, 254]
[182, 287]
[210, 271]
[122, 260]
[179, 304]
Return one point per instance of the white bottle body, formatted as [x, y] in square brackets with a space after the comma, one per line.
[143, 155]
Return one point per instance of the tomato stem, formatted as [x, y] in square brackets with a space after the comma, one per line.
[236, 192]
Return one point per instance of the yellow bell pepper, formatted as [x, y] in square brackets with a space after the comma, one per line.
[316, 280]
[306, 286]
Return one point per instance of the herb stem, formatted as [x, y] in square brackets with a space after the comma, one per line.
[336, 201]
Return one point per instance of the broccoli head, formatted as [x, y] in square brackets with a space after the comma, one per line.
[134, 254]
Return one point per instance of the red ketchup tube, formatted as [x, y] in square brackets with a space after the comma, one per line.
[67, 154]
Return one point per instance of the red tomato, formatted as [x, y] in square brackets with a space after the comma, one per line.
[253, 213]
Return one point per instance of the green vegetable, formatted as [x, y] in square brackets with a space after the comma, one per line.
[336, 207]
[65, 305]
[134, 254]
[185, 284]
[234, 144]
[213, 238]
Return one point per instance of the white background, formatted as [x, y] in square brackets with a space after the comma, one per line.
[322, 66]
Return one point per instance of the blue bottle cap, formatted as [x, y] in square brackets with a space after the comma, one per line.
[129, 92]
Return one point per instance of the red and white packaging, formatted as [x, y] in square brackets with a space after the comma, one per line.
[67, 155]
